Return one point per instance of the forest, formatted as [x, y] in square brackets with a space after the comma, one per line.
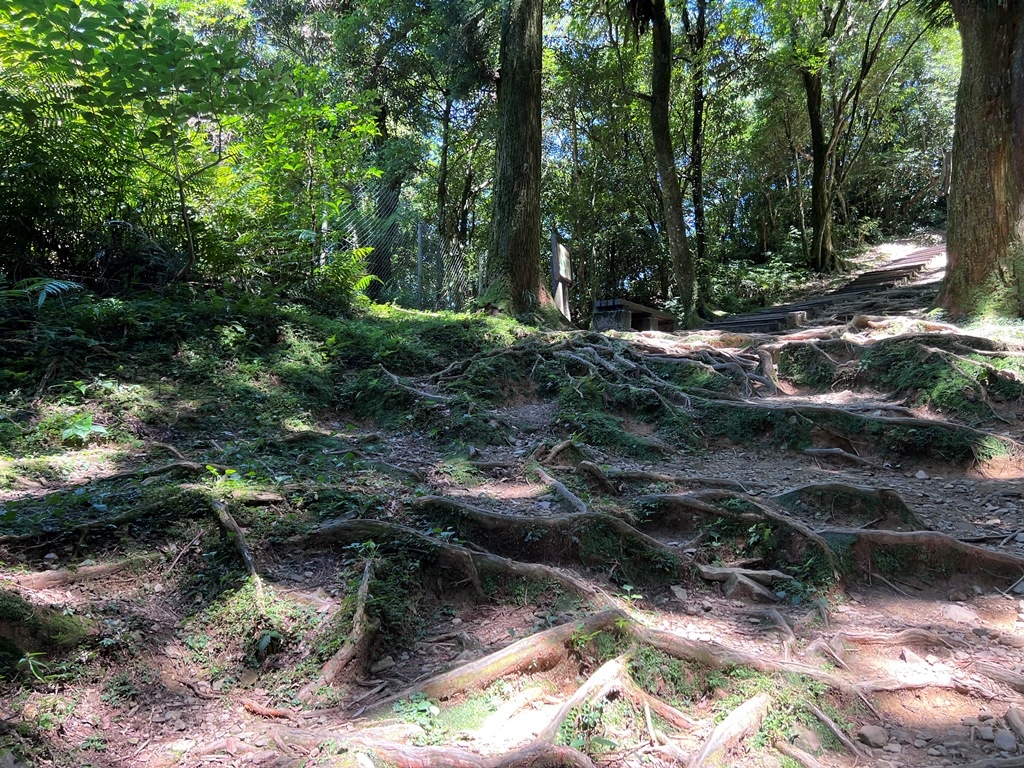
[307, 458]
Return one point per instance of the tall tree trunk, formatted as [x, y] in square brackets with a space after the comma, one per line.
[697, 35]
[515, 221]
[443, 235]
[985, 239]
[822, 252]
[671, 193]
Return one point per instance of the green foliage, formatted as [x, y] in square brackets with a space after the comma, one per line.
[81, 430]
[679, 682]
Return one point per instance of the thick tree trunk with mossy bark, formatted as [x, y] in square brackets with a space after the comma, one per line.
[664, 153]
[823, 256]
[985, 241]
[515, 223]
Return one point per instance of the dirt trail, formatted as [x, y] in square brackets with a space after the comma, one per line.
[621, 647]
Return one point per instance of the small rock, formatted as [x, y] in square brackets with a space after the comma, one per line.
[894, 748]
[307, 574]
[959, 614]
[985, 733]
[804, 738]
[920, 743]
[679, 593]
[921, 474]
[381, 664]
[50, 557]
[158, 587]
[706, 606]
[1005, 741]
[873, 735]
[456, 621]
[957, 595]
[984, 717]
[740, 587]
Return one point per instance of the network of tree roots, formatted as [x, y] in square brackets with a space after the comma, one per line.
[545, 593]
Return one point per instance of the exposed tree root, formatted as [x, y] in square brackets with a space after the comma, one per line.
[840, 455]
[834, 729]
[236, 535]
[418, 393]
[606, 478]
[470, 562]
[931, 545]
[879, 505]
[536, 653]
[556, 536]
[1005, 676]
[570, 498]
[742, 721]
[190, 467]
[354, 647]
[795, 753]
[539, 755]
[753, 510]
[912, 636]
[50, 579]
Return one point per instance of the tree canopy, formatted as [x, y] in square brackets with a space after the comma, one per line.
[316, 144]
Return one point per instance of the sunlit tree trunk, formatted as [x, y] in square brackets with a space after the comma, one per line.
[671, 192]
[515, 222]
[985, 239]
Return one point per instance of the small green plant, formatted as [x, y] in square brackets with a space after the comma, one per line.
[630, 594]
[97, 743]
[220, 476]
[32, 663]
[119, 690]
[418, 709]
[80, 429]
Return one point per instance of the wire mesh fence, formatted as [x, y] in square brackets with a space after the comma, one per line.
[420, 268]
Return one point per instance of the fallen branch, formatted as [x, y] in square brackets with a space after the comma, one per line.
[50, 579]
[355, 644]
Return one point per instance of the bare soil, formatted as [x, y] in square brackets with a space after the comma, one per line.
[167, 679]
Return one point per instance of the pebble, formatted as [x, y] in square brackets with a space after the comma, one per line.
[893, 748]
[456, 621]
[985, 733]
[921, 475]
[1005, 741]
